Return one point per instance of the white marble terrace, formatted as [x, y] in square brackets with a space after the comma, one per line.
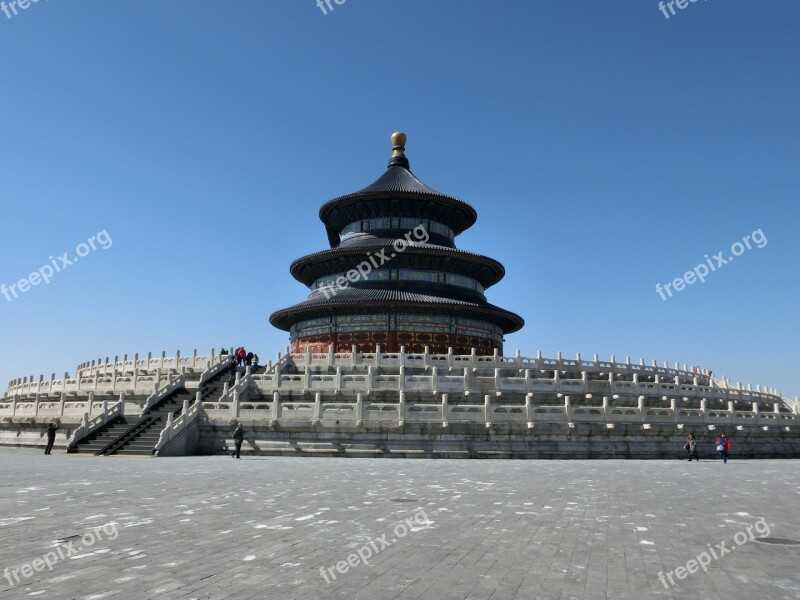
[400, 387]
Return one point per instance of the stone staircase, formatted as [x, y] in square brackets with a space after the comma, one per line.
[101, 438]
[138, 436]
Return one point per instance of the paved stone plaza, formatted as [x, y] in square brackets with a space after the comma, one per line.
[213, 528]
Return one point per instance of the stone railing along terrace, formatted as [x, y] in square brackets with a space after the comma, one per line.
[175, 363]
[400, 388]
[137, 375]
[425, 387]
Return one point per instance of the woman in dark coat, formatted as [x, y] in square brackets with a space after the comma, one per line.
[51, 437]
[691, 447]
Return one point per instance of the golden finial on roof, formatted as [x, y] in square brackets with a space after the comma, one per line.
[398, 143]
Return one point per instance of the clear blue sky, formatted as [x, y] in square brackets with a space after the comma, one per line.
[605, 147]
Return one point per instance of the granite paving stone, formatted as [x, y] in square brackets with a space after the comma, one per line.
[216, 528]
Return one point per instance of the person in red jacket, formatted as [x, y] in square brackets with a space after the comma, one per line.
[240, 355]
[723, 447]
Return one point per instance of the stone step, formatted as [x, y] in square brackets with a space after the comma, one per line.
[146, 435]
[106, 434]
[124, 452]
[101, 438]
[148, 438]
[363, 451]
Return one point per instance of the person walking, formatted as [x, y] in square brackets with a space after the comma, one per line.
[240, 355]
[51, 437]
[691, 447]
[723, 447]
[238, 438]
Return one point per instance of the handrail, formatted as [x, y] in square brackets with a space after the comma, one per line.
[175, 424]
[90, 426]
[215, 370]
[279, 364]
[240, 385]
[159, 395]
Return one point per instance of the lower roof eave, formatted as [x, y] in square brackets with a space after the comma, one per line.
[508, 321]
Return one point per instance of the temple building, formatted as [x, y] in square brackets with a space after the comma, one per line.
[393, 276]
[396, 352]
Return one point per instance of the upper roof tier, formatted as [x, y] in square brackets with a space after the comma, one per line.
[397, 192]
[311, 267]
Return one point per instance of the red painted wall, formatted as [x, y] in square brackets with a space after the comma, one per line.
[390, 341]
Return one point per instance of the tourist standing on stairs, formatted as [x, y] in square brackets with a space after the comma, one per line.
[723, 447]
[691, 447]
[255, 363]
[240, 355]
[51, 437]
[238, 438]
